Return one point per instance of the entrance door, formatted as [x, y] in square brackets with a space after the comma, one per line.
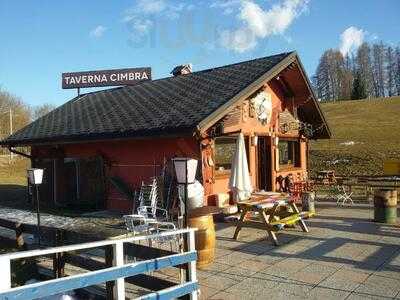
[264, 163]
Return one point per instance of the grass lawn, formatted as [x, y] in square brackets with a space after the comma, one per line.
[13, 181]
[14, 172]
[365, 134]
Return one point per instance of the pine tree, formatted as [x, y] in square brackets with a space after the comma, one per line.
[359, 91]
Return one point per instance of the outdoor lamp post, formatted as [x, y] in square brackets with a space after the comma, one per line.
[35, 177]
[185, 169]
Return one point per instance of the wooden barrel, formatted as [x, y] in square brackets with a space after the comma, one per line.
[307, 202]
[385, 206]
[205, 238]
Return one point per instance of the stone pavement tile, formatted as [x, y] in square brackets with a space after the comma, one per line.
[325, 293]
[214, 268]
[384, 255]
[257, 248]
[207, 292]
[202, 274]
[306, 241]
[286, 267]
[363, 296]
[226, 296]
[347, 251]
[258, 283]
[291, 290]
[363, 267]
[254, 265]
[222, 252]
[270, 258]
[256, 293]
[250, 236]
[395, 259]
[388, 270]
[344, 279]
[235, 258]
[394, 239]
[379, 286]
[313, 273]
[224, 232]
[218, 282]
[285, 237]
[236, 273]
[332, 263]
[290, 249]
[230, 244]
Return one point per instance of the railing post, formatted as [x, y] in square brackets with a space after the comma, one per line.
[119, 290]
[109, 258]
[5, 274]
[192, 264]
[19, 239]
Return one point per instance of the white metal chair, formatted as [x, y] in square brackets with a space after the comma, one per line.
[343, 195]
[137, 224]
[148, 200]
[153, 218]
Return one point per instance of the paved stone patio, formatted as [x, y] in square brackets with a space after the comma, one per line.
[344, 256]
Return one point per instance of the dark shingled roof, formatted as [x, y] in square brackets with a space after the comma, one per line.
[167, 105]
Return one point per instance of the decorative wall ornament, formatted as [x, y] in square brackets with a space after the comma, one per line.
[288, 123]
[262, 105]
[245, 111]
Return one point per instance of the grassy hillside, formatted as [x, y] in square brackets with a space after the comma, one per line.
[365, 133]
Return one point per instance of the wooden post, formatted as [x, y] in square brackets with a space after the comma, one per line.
[58, 258]
[5, 274]
[109, 263]
[192, 264]
[119, 290]
[19, 239]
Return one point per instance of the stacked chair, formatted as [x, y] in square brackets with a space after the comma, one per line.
[149, 217]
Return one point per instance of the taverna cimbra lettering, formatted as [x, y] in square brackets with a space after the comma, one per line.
[105, 78]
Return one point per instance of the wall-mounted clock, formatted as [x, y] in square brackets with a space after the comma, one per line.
[262, 104]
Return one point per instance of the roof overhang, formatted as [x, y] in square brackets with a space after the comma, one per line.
[244, 94]
[138, 135]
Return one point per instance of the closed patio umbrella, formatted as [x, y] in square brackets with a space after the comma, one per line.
[240, 181]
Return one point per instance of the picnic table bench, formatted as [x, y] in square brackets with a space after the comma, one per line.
[274, 211]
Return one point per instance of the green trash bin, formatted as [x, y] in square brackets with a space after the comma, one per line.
[385, 206]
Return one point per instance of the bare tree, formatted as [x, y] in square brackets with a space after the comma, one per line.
[333, 79]
[364, 66]
[397, 68]
[378, 70]
[41, 110]
[20, 113]
[390, 71]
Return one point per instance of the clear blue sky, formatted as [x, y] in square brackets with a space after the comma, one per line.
[42, 39]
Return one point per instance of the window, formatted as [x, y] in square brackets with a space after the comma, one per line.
[224, 152]
[289, 153]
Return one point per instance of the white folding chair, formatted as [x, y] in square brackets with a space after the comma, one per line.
[343, 195]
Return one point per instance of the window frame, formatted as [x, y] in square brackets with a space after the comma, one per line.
[293, 143]
[227, 172]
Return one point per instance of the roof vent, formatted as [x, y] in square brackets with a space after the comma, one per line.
[182, 70]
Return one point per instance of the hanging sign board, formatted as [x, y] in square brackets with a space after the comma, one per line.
[100, 78]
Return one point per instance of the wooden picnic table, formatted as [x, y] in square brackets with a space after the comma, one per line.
[275, 211]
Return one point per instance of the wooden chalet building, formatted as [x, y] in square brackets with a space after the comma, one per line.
[129, 132]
